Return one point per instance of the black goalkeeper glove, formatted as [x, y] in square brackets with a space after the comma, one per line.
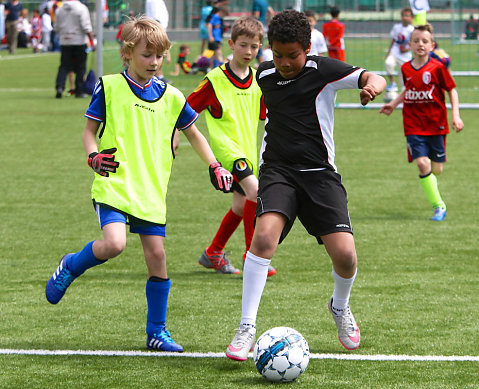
[103, 162]
[220, 177]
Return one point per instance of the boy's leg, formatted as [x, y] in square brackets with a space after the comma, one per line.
[341, 249]
[157, 291]
[428, 181]
[249, 185]
[213, 256]
[265, 241]
[94, 253]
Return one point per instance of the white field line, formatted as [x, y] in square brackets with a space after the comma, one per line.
[350, 357]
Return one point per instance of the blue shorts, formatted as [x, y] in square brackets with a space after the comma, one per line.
[431, 146]
[107, 215]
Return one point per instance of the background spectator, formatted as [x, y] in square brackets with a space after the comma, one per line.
[12, 11]
[73, 25]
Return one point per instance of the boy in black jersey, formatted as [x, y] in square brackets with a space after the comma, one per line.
[297, 176]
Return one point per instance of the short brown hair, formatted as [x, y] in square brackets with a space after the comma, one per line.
[425, 27]
[249, 26]
[137, 28]
[408, 10]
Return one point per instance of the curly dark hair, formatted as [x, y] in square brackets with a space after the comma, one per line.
[290, 26]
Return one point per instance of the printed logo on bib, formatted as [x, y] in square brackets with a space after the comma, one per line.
[241, 165]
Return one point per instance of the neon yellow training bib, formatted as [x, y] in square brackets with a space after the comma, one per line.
[142, 132]
[234, 134]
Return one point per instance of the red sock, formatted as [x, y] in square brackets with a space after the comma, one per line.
[228, 225]
[249, 213]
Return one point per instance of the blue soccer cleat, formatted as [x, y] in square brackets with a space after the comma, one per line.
[439, 214]
[161, 341]
[59, 281]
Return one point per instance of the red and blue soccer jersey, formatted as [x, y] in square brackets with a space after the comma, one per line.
[424, 106]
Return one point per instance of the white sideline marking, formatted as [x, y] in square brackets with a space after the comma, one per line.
[355, 357]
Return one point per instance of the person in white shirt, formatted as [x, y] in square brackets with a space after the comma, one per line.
[46, 29]
[318, 43]
[399, 51]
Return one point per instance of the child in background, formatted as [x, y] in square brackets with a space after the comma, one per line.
[204, 62]
[36, 23]
[139, 113]
[318, 44]
[425, 114]
[46, 29]
[333, 32]
[182, 62]
[215, 35]
[298, 177]
[399, 51]
[232, 102]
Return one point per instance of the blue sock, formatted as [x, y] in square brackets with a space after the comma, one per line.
[83, 260]
[157, 290]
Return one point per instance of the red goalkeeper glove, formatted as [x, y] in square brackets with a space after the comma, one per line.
[220, 177]
[103, 162]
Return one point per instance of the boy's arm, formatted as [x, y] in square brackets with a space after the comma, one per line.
[388, 108]
[372, 85]
[102, 163]
[220, 177]
[456, 122]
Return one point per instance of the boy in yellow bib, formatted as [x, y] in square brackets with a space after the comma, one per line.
[232, 101]
[140, 114]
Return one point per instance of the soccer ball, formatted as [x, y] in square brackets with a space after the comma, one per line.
[390, 96]
[281, 354]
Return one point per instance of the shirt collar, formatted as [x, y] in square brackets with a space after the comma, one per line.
[141, 87]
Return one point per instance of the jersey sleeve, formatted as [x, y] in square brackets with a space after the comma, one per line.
[96, 110]
[204, 97]
[344, 76]
[446, 80]
[187, 118]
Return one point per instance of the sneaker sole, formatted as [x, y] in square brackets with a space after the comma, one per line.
[235, 358]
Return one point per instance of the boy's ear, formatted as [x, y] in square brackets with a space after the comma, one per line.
[231, 43]
[308, 49]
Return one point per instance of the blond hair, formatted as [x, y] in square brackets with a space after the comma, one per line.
[249, 26]
[143, 27]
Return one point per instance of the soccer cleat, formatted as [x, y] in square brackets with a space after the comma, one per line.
[348, 330]
[439, 214]
[59, 281]
[242, 343]
[219, 262]
[162, 341]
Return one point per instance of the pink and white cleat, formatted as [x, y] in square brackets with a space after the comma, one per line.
[348, 330]
[242, 343]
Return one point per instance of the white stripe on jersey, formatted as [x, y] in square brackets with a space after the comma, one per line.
[267, 72]
[325, 102]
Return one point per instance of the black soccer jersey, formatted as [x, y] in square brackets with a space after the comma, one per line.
[300, 119]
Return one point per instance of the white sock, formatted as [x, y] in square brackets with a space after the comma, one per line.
[255, 273]
[341, 293]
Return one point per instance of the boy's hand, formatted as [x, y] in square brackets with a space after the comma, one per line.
[386, 109]
[457, 123]
[220, 177]
[104, 162]
[367, 94]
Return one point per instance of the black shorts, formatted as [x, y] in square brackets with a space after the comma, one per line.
[317, 198]
[213, 45]
[241, 169]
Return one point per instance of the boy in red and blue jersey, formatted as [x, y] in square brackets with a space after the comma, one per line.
[425, 114]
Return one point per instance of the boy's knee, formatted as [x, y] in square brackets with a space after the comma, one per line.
[345, 258]
[115, 247]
